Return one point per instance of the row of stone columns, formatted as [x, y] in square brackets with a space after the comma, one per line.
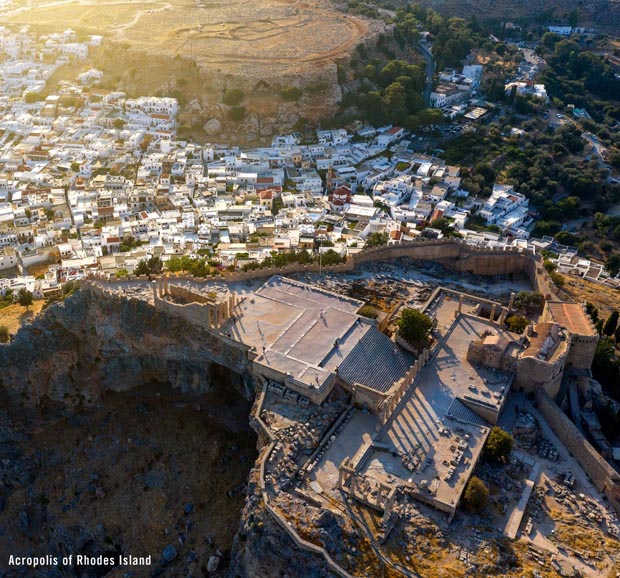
[392, 402]
[503, 313]
[161, 288]
[217, 313]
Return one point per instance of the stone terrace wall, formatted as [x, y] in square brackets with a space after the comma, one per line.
[454, 254]
[604, 477]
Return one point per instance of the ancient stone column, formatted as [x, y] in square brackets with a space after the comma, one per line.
[340, 477]
[380, 492]
[502, 315]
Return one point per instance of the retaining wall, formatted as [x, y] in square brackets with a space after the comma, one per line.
[454, 254]
[603, 476]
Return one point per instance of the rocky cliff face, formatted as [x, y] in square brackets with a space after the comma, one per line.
[91, 344]
[261, 548]
[102, 458]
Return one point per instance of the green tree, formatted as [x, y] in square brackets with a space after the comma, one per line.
[31, 97]
[118, 123]
[395, 101]
[237, 113]
[612, 265]
[414, 326]
[517, 323]
[150, 266]
[558, 279]
[476, 496]
[24, 298]
[528, 299]
[498, 446]
[592, 311]
[377, 239]
[611, 324]
[4, 334]
[599, 326]
[75, 167]
[606, 366]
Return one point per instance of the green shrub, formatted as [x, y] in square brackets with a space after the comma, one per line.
[476, 495]
[237, 113]
[291, 93]
[369, 311]
[233, 97]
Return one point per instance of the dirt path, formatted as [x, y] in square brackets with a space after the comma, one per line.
[122, 27]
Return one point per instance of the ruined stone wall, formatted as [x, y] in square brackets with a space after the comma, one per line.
[188, 296]
[603, 476]
[452, 253]
[289, 270]
[541, 282]
[366, 397]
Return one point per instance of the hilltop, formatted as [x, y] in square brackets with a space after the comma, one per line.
[282, 55]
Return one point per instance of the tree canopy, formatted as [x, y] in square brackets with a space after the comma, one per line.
[498, 446]
[233, 97]
[611, 324]
[414, 326]
[476, 496]
[24, 297]
[517, 323]
[150, 266]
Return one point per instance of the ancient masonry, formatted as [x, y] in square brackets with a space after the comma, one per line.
[535, 363]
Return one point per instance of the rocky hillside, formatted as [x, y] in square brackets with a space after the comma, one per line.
[89, 345]
[103, 457]
[151, 472]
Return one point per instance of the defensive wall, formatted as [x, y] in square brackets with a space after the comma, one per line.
[454, 254]
[603, 476]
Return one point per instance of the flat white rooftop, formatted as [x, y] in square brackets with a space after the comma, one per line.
[294, 328]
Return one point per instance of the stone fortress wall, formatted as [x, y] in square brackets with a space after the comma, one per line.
[458, 256]
[453, 254]
[603, 476]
